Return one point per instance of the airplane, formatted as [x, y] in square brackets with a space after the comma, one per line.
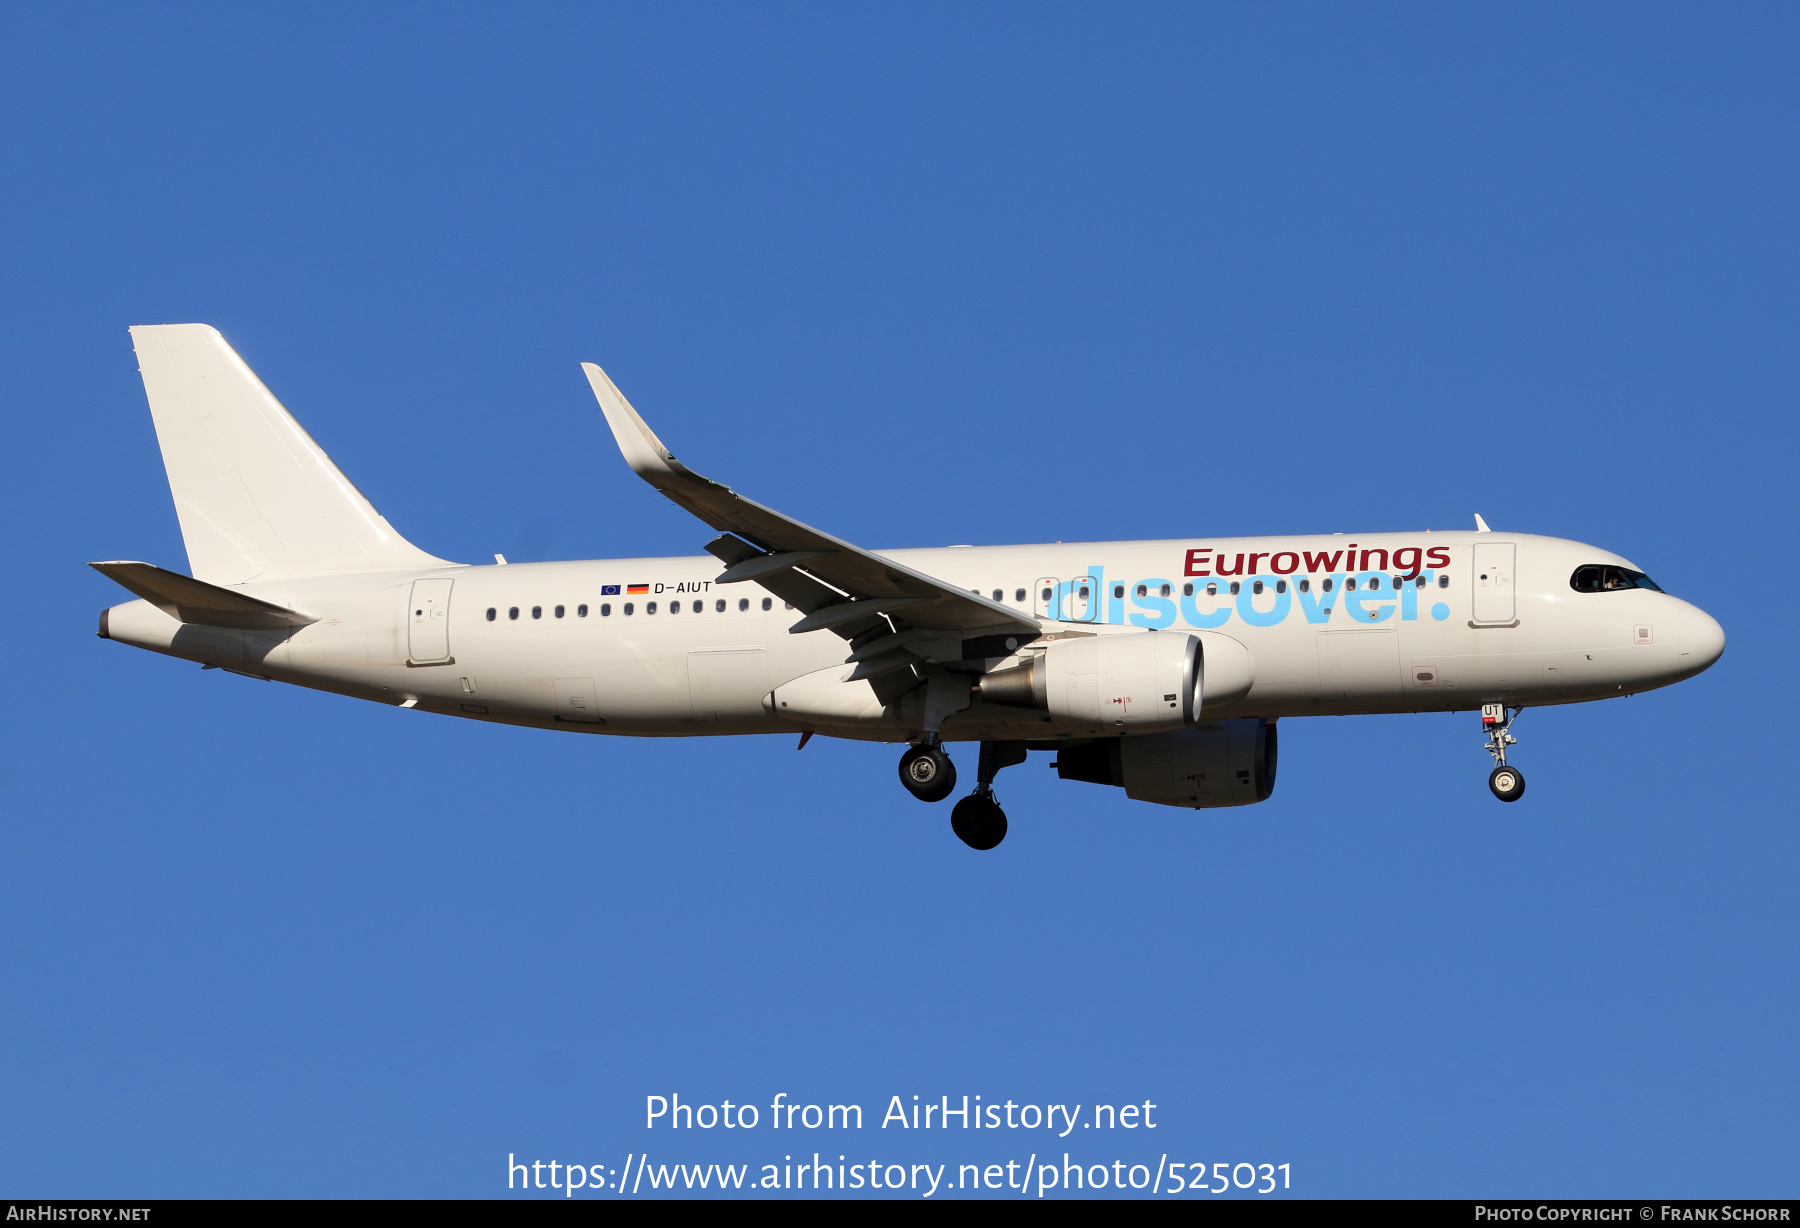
[1158, 667]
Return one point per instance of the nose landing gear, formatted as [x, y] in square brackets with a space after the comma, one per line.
[1507, 783]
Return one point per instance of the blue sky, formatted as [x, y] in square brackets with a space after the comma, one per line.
[919, 275]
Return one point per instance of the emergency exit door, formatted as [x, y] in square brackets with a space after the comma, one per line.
[1072, 601]
[428, 622]
[1493, 580]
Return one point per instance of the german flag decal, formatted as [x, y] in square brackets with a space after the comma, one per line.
[637, 588]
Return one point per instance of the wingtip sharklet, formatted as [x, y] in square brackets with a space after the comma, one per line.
[647, 455]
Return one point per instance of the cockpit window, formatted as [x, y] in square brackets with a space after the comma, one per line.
[1598, 578]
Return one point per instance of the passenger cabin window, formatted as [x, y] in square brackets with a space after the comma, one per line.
[491, 613]
[1119, 592]
[1443, 581]
[768, 603]
[559, 611]
[649, 607]
[1306, 586]
[580, 611]
[1018, 594]
[999, 595]
[628, 609]
[674, 607]
[1281, 586]
[1605, 578]
[1143, 590]
[513, 612]
[537, 611]
[605, 609]
[1187, 590]
[697, 606]
[1256, 587]
[719, 606]
[1048, 593]
[1234, 588]
[743, 603]
[1212, 590]
[1326, 587]
[1165, 590]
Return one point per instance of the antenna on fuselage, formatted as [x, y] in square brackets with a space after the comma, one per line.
[1481, 525]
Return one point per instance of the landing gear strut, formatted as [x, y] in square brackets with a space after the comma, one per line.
[978, 820]
[1507, 783]
[927, 772]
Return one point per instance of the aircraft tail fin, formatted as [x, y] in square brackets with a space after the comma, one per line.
[257, 498]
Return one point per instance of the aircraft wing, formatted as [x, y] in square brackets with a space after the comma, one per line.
[838, 586]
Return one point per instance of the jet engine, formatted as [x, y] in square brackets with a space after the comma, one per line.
[1135, 683]
[1227, 763]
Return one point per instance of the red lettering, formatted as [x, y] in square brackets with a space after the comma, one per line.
[1401, 564]
[1322, 561]
[1293, 563]
[1196, 563]
[1431, 556]
[1254, 557]
[1365, 560]
[1237, 568]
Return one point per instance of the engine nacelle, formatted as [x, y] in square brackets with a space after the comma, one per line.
[1136, 683]
[1229, 763]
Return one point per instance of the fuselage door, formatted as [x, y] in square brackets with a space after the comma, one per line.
[1493, 580]
[428, 621]
[1081, 600]
[1043, 601]
[728, 684]
[1359, 667]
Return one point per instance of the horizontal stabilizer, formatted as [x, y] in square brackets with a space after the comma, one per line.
[196, 601]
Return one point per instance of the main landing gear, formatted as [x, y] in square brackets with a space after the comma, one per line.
[1507, 783]
[927, 772]
[977, 819]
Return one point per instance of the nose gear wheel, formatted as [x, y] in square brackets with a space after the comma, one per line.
[1506, 782]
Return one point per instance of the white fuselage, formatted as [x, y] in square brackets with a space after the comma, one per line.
[1476, 618]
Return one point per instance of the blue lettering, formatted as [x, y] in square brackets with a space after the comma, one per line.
[1353, 601]
[1190, 612]
[1114, 609]
[1317, 606]
[1164, 609]
[1246, 607]
[1409, 599]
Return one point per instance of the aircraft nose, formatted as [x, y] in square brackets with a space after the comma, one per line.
[1702, 639]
